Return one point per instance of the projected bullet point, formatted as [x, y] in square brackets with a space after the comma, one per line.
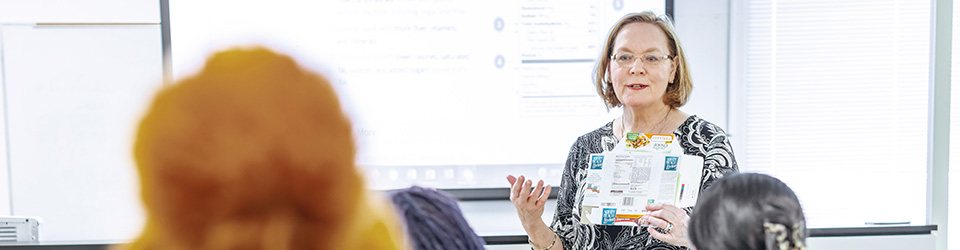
[498, 24]
[499, 61]
[411, 174]
[393, 175]
[448, 173]
[431, 174]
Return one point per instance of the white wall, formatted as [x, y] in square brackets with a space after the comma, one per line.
[702, 26]
[17, 12]
[80, 11]
[75, 86]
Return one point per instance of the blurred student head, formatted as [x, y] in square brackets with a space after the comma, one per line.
[748, 212]
[254, 152]
[434, 221]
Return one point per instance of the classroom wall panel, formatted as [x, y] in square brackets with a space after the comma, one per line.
[73, 96]
[72, 11]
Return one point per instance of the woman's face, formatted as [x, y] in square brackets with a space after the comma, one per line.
[639, 83]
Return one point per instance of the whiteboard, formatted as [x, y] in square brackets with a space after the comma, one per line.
[442, 93]
[74, 95]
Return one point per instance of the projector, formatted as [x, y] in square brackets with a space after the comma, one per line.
[19, 229]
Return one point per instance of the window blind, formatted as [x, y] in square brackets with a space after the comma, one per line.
[835, 105]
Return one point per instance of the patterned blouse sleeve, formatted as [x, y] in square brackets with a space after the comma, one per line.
[566, 220]
[708, 140]
[718, 158]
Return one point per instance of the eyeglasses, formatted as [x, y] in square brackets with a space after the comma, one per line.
[649, 59]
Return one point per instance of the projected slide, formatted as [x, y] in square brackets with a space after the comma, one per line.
[443, 93]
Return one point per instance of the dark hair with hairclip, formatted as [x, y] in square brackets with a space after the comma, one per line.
[434, 221]
[748, 212]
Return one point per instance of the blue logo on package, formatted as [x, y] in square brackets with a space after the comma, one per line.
[670, 164]
[596, 162]
[609, 214]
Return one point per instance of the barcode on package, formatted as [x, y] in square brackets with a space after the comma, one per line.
[627, 201]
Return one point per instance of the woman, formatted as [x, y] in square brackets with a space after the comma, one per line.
[764, 212]
[643, 69]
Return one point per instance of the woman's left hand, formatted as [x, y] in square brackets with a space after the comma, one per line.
[671, 219]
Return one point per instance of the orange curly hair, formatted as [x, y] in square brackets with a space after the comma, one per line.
[254, 152]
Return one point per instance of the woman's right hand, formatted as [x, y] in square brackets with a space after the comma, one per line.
[529, 203]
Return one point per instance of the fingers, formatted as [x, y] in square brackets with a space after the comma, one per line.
[668, 218]
[655, 221]
[544, 195]
[515, 188]
[656, 234]
[537, 190]
[671, 234]
[519, 185]
[664, 216]
[654, 206]
[526, 186]
[665, 212]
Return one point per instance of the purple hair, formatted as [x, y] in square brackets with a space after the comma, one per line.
[433, 220]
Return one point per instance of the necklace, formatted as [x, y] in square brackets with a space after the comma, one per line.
[656, 129]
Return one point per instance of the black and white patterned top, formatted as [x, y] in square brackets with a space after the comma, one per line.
[696, 136]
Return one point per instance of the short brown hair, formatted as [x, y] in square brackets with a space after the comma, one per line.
[677, 92]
